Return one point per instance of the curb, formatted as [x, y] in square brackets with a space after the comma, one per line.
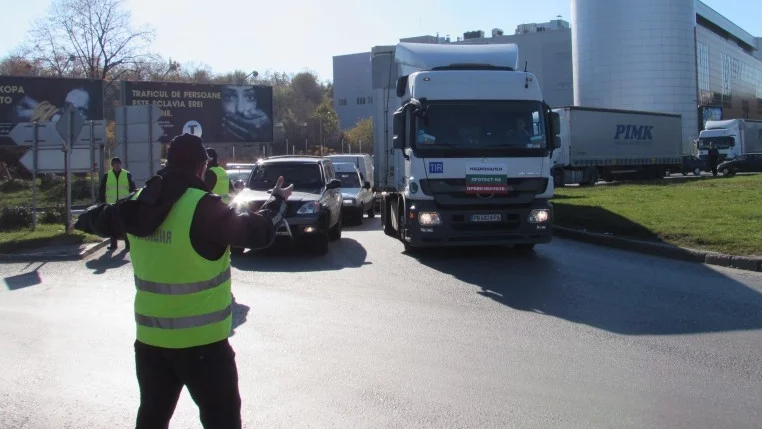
[748, 263]
[54, 256]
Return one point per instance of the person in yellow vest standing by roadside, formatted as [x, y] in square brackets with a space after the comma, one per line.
[180, 235]
[116, 185]
[216, 178]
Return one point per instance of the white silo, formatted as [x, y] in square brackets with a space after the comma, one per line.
[637, 55]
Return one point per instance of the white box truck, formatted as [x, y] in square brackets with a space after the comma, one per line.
[462, 146]
[607, 144]
[731, 137]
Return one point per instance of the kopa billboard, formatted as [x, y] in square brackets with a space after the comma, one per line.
[42, 99]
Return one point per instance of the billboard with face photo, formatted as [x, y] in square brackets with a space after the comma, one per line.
[216, 113]
[42, 99]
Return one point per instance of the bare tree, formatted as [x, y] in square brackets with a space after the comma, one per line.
[89, 38]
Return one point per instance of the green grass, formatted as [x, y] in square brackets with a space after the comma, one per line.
[44, 235]
[718, 214]
[19, 193]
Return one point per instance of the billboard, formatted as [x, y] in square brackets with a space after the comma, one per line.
[217, 113]
[29, 99]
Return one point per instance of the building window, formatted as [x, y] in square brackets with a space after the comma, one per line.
[370, 100]
[360, 100]
[705, 92]
[342, 101]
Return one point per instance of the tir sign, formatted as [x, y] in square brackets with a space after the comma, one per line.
[436, 167]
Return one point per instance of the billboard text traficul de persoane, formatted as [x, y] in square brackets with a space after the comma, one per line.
[216, 113]
[30, 99]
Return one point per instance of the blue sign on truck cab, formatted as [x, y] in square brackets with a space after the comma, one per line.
[436, 167]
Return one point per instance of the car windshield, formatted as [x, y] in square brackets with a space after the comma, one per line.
[304, 176]
[480, 124]
[236, 175]
[719, 142]
[348, 180]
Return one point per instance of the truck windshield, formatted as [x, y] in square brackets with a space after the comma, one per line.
[481, 124]
[719, 142]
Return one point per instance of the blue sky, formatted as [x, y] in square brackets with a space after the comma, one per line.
[304, 34]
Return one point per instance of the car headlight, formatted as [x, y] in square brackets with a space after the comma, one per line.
[309, 208]
[539, 216]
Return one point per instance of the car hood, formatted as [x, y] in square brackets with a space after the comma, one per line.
[250, 195]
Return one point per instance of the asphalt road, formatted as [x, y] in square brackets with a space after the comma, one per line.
[575, 336]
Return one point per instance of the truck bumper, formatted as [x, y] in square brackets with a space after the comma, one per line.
[472, 227]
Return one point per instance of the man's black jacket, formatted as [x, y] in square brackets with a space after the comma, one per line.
[215, 225]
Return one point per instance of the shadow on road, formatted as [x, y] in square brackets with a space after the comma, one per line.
[24, 280]
[599, 220]
[240, 312]
[288, 257]
[627, 293]
[108, 261]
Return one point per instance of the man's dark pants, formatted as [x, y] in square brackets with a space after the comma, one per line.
[210, 374]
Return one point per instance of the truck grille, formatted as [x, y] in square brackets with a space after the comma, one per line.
[452, 193]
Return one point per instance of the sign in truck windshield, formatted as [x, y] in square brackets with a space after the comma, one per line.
[486, 179]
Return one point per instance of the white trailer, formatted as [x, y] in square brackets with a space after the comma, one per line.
[462, 146]
[731, 137]
[613, 144]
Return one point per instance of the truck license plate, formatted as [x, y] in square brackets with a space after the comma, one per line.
[486, 218]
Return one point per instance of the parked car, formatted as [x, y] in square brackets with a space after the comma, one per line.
[363, 161]
[358, 198]
[313, 214]
[746, 163]
[238, 175]
[693, 164]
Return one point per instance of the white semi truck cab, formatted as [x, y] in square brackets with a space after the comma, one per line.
[731, 137]
[463, 145]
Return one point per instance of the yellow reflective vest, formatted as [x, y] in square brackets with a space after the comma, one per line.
[182, 299]
[117, 188]
[222, 187]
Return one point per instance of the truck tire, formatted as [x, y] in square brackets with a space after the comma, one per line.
[558, 179]
[386, 216]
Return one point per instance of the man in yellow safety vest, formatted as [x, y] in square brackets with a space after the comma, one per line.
[180, 235]
[216, 178]
[116, 185]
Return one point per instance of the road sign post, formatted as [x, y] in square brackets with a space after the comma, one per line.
[69, 126]
[34, 178]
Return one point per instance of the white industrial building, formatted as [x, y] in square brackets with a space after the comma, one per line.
[675, 56]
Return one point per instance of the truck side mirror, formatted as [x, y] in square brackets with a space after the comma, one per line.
[556, 142]
[556, 123]
[398, 129]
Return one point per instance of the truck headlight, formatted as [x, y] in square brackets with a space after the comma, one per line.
[429, 218]
[539, 216]
[309, 208]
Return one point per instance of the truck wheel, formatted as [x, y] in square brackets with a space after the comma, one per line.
[386, 216]
[558, 179]
[697, 172]
[335, 232]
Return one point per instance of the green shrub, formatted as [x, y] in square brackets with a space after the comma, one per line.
[54, 214]
[15, 218]
[15, 186]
